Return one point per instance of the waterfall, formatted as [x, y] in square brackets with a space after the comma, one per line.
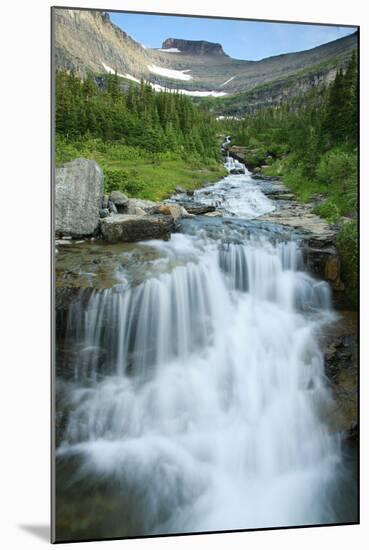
[236, 195]
[200, 401]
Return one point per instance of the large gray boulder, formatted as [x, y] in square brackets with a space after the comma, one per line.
[131, 228]
[79, 190]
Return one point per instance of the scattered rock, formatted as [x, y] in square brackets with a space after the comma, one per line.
[339, 344]
[119, 199]
[214, 214]
[112, 208]
[105, 202]
[196, 207]
[131, 228]
[135, 211]
[146, 206]
[79, 189]
[175, 210]
[61, 242]
[104, 212]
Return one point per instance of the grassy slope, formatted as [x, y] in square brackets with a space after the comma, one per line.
[160, 179]
[155, 175]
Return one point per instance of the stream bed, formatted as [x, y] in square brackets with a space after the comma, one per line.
[190, 391]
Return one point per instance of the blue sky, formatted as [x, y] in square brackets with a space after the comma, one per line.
[240, 39]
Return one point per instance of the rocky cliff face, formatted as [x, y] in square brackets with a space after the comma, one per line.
[86, 40]
[194, 47]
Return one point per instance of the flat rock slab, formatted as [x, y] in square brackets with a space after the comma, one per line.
[196, 208]
[132, 228]
[299, 216]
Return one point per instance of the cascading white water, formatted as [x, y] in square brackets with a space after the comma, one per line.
[237, 194]
[205, 411]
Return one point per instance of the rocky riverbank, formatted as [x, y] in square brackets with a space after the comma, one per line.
[83, 211]
[340, 347]
[320, 250]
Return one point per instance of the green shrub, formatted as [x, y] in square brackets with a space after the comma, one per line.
[274, 168]
[253, 142]
[276, 150]
[328, 210]
[348, 247]
[127, 181]
[338, 167]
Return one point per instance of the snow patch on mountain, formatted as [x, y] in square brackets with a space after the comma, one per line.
[195, 93]
[170, 73]
[229, 80]
[169, 50]
[122, 75]
[159, 88]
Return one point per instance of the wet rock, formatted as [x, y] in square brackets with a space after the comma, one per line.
[197, 208]
[79, 189]
[132, 228]
[105, 202]
[213, 214]
[112, 207]
[352, 434]
[279, 193]
[325, 263]
[175, 210]
[320, 252]
[339, 345]
[332, 268]
[62, 405]
[104, 212]
[119, 199]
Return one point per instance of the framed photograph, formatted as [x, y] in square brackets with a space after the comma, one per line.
[205, 274]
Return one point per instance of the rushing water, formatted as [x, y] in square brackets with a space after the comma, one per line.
[196, 398]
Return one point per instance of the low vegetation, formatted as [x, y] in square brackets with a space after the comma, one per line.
[136, 171]
[147, 143]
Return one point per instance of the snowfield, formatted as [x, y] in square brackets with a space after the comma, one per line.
[169, 50]
[128, 76]
[159, 88]
[170, 73]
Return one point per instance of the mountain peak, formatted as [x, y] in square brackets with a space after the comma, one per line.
[194, 47]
